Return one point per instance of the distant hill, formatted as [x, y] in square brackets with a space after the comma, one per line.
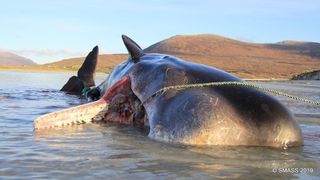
[105, 63]
[10, 59]
[248, 60]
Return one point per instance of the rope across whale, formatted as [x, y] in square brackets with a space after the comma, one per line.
[234, 83]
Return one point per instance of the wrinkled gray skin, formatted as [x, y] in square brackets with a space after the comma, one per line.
[226, 115]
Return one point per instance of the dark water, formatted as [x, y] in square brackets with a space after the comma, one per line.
[94, 151]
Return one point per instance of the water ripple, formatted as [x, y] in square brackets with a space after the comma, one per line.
[93, 151]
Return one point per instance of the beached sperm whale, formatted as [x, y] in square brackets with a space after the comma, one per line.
[223, 115]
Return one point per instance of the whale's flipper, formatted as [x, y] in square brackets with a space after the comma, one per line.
[74, 85]
[87, 71]
[86, 74]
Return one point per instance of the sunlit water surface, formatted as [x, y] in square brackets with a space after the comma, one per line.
[94, 151]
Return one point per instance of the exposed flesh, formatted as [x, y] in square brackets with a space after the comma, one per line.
[119, 104]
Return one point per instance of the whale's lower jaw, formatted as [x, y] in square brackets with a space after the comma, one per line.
[118, 105]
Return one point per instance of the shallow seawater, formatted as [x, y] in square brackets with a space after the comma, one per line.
[93, 151]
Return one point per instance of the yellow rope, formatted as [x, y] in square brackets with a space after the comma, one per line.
[231, 83]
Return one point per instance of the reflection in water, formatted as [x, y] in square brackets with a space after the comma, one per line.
[109, 151]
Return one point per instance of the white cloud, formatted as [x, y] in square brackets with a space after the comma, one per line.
[48, 52]
[42, 56]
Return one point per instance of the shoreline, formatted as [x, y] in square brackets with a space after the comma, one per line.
[60, 70]
[39, 69]
[34, 69]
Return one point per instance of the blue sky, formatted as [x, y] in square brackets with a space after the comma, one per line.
[50, 30]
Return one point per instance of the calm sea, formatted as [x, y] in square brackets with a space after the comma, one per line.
[93, 151]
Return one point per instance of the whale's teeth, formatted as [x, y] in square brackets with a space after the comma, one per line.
[72, 116]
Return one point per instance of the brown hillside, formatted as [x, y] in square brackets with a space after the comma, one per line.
[105, 63]
[247, 60]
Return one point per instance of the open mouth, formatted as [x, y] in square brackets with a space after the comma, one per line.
[124, 106]
[118, 105]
